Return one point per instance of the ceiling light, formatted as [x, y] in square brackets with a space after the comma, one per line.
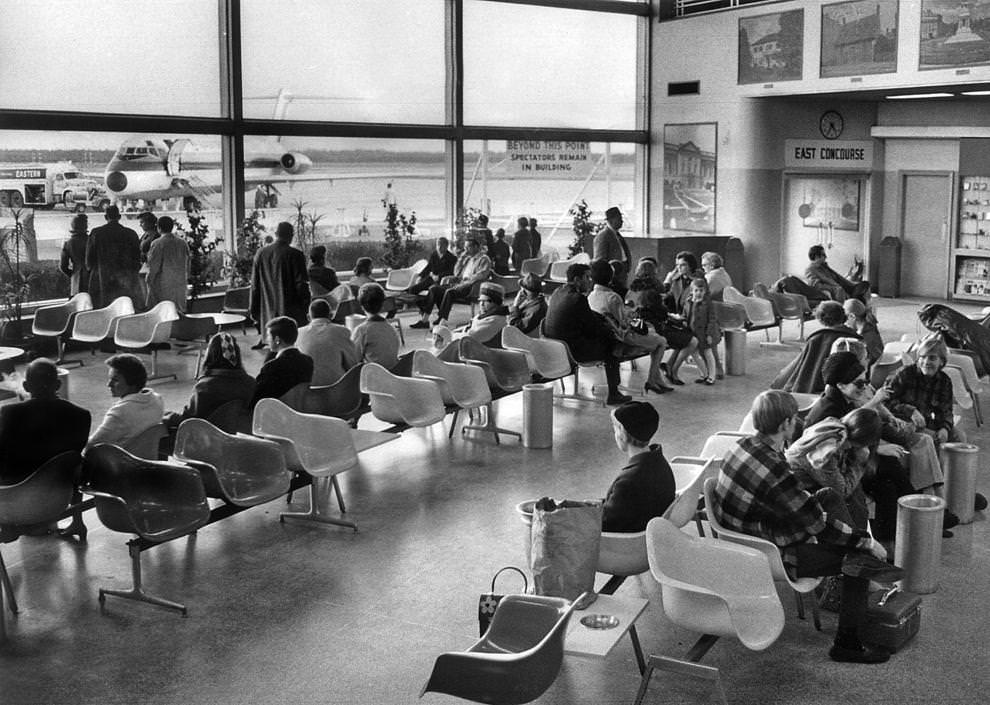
[908, 96]
[976, 93]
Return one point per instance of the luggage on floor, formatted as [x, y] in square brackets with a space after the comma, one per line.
[892, 618]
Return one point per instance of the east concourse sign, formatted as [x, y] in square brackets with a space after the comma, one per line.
[849, 155]
[548, 158]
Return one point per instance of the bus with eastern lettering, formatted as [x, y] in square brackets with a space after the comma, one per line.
[48, 185]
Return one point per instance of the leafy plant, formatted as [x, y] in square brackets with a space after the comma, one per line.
[15, 284]
[203, 266]
[305, 225]
[250, 238]
[584, 228]
[469, 219]
[399, 246]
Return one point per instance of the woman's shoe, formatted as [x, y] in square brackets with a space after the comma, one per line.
[675, 380]
[709, 381]
[949, 520]
[650, 387]
[75, 529]
[700, 380]
[980, 502]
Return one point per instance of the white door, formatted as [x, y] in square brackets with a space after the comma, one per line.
[925, 219]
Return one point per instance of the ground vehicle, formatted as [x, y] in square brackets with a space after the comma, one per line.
[45, 185]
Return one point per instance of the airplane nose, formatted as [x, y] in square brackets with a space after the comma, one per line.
[116, 181]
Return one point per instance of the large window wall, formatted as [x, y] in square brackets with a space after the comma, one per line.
[336, 100]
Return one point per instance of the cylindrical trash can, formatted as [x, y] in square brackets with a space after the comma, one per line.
[918, 542]
[959, 467]
[735, 352]
[537, 415]
[525, 510]
[63, 388]
[889, 269]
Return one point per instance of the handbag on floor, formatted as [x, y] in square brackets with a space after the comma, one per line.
[488, 602]
[892, 618]
[565, 540]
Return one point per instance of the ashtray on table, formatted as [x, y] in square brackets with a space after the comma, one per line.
[600, 621]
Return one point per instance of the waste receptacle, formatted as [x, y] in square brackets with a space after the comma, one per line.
[918, 543]
[63, 387]
[959, 462]
[537, 415]
[735, 352]
[889, 270]
[525, 511]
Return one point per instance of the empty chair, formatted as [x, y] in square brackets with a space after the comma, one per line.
[974, 384]
[239, 469]
[516, 660]
[789, 307]
[759, 312]
[962, 397]
[730, 316]
[147, 443]
[95, 325]
[399, 280]
[713, 587]
[883, 368]
[401, 400]
[237, 300]
[39, 498]
[156, 501]
[342, 399]
[149, 330]
[718, 444]
[462, 386]
[56, 322]
[506, 371]
[537, 266]
[901, 349]
[192, 334]
[546, 357]
[320, 446]
[800, 586]
[558, 269]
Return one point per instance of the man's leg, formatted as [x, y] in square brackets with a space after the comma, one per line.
[451, 296]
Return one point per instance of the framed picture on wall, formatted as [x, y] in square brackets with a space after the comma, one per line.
[859, 37]
[954, 33]
[689, 171]
[828, 201]
[771, 47]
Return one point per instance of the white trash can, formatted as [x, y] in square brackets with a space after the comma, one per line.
[959, 463]
[918, 542]
[537, 415]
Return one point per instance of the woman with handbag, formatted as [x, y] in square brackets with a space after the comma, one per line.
[645, 298]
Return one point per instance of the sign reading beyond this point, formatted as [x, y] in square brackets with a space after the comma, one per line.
[550, 159]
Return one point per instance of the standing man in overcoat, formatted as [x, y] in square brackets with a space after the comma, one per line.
[113, 258]
[279, 281]
[609, 244]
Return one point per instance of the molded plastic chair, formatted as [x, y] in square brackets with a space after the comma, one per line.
[238, 300]
[97, 324]
[536, 265]
[558, 269]
[39, 498]
[713, 587]
[746, 425]
[901, 349]
[509, 282]
[962, 397]
[462, 386]
[342, 399]
[883, 368]
[759, 312]
[800, 586]
[399, 280]
[146, 444]
[786, 307]
[401, 400]
[718, 444]
[192, 334]
[342, 293]
[56, 321]
[974, 385]
[295, 397]
[151, 329]
[345, 309]
[241, 470]
[231, 417]
[320, 446]
[546, 357]
[156, 501]
[730, 316]
[516, 660]
[506, 371]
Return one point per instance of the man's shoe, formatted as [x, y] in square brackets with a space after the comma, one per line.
[658, 388]
[949, 520]
[980, 503]
[864, 565]
[617, 398]
[864, 654]
[420, 324]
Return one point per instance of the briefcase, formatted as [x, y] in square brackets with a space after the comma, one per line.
[892, 618]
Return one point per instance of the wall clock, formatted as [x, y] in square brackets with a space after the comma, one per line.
[831, 124]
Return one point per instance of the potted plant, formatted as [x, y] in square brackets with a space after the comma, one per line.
[250, 238]
[400, 246]
[584, 229]
[15, 285]
[203, 269]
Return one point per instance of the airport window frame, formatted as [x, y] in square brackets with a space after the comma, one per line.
[232, 126]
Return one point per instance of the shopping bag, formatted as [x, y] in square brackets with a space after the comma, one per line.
[565, 540]
[488, 602]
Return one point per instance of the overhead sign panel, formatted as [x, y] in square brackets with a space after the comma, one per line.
[856, 155]
[548, 158]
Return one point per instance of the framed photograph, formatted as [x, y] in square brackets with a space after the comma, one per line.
[689, 171]
[770, 47]
[828, 201]
[954, 33]
[859, 37]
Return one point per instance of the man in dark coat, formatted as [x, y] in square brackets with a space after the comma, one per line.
[588, 335]
[522, 243]
[113, 258]
[609, 244]
[285, 366]
[279, 280]
[803, 374]
[36, 430]
[645, 486]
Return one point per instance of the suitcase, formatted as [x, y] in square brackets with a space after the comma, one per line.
[892, 618]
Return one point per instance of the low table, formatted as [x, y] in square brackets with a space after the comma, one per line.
[221, 319]
[598, 643]
[9, 353]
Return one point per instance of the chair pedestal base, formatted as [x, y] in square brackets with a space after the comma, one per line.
[685, 667]
[6, 587]
[137, 592]
[576, 396]
[490, 426]
[314, 515]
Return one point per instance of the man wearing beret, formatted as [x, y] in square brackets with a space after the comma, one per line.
[645, 486]
[609, 244]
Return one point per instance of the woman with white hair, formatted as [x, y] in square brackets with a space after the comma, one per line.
[715, 274]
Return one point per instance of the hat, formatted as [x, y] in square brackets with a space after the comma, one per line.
[495, 292]
[841, 368]
[613, 212]
[531, 282]
[639, 419]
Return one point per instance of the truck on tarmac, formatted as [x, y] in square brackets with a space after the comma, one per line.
[47, 185]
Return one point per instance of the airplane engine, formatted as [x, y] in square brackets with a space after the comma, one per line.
[295, 163]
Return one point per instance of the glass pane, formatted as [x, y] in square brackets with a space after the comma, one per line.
[500, 183]
[337, 192]
[103, 56]
[50, 178]
[351, 60]
[579, 70]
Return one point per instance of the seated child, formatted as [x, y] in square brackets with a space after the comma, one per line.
[375, 339]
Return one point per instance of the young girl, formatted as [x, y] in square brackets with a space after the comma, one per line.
[700, 316]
